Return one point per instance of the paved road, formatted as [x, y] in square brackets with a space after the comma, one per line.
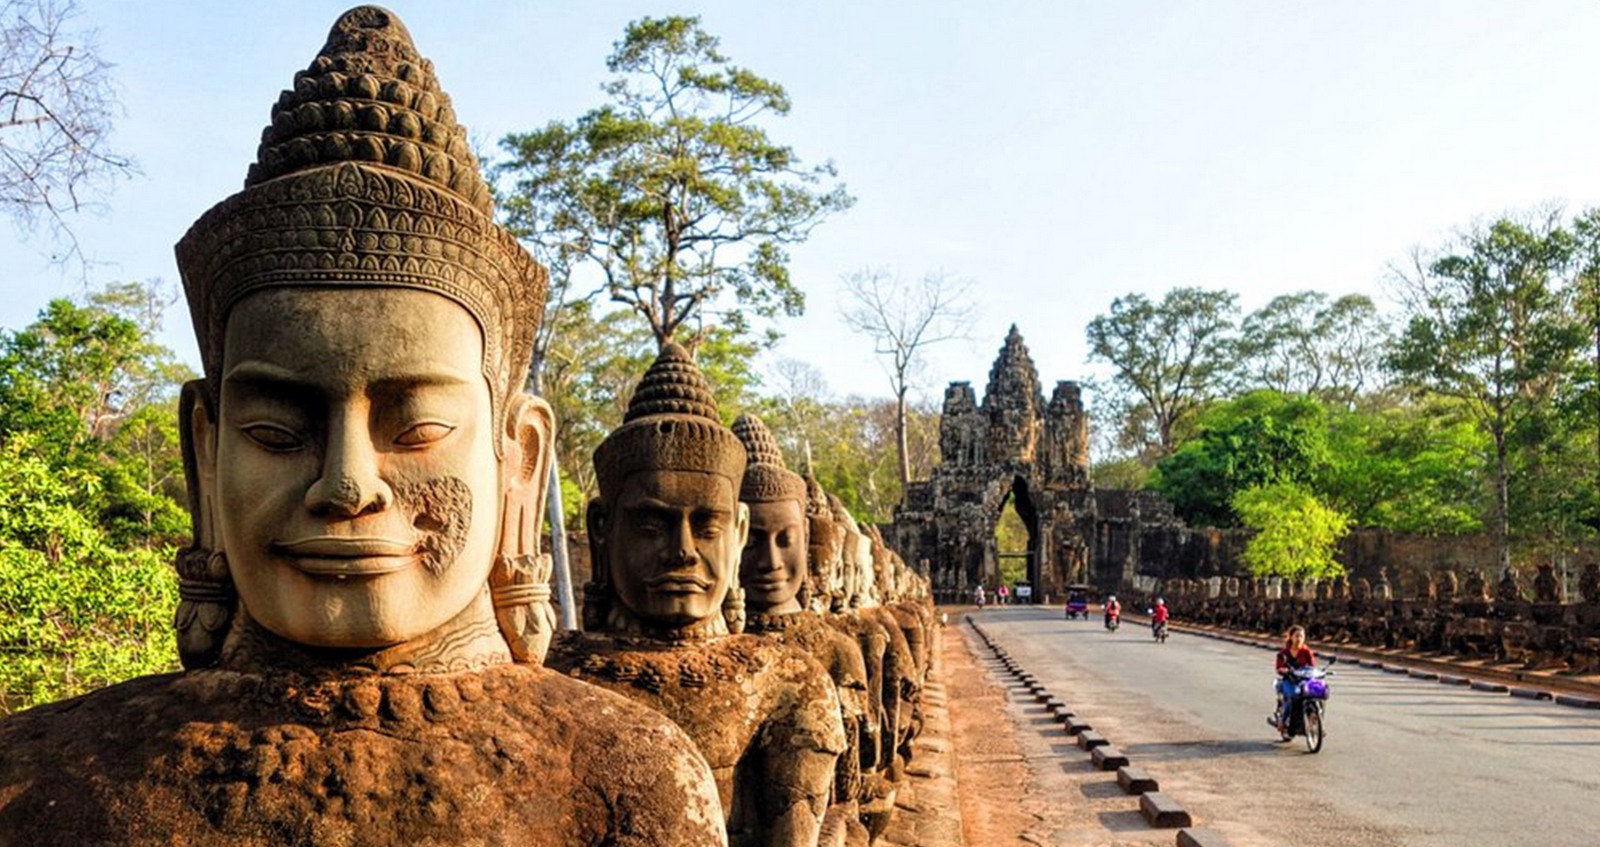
[1406, 762]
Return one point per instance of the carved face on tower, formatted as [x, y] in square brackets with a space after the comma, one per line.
[772, 568]
[361, 454]
[668, 527]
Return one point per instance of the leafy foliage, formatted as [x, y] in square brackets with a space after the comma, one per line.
[672, 190]
[91, 487]
[1262, 438]
[1296, 535]
[1302, 343]
[1489, 322]
[75, 613]
[1170, 357]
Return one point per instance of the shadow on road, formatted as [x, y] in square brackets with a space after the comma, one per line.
[1173, 751]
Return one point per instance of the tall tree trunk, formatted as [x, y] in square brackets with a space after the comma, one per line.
[900, 439]
[1502, 516]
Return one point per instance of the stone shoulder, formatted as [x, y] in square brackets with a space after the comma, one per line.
[214, 757]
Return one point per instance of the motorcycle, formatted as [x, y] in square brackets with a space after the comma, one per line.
[1159, 632]
[1113, 621]
[1310, 706]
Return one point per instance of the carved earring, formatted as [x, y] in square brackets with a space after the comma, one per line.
[733, 609]
[206, 599]
[519, 587]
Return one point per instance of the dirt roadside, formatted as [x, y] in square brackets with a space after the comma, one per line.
[1020, 779]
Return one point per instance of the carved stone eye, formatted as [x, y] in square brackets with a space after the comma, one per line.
[272, 437]
[423, 434]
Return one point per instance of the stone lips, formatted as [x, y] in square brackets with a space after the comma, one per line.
[671, 424]
[391, 203]
[765, 477]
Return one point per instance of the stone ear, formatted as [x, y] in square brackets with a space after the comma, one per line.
[206, 599]
[530, 429]
[519, 581]
[597, 594]
[741, 529]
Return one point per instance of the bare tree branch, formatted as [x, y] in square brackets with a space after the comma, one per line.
[903, 319]
[57, 105]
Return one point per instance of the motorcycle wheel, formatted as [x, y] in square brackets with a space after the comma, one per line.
[1313, 726]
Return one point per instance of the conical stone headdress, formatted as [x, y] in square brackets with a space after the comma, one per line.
[365, 179]
[671, 424]
[765, 477]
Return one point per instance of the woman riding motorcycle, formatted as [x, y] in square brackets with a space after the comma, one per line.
[1113, 610]
[1294, 656]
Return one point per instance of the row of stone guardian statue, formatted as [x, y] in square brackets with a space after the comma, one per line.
[1435, 612]
[365, 620]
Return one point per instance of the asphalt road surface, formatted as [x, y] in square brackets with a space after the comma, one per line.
[1406, 761]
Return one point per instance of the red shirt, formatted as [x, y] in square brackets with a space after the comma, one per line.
[1159, 615]
[1302, 658]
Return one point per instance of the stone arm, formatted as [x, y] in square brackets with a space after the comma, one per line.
[800, 747]
[656, 788]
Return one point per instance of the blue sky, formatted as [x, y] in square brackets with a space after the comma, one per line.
[1059, 154]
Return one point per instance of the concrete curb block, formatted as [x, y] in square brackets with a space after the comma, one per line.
[1530, 694]
[1392, 669]
[1162, 811]
[1200, 837]
[1136, 781]
[1427, 675]
[1446, 679]
[1577, 702]
[1075, 725]
[1491, 687]
[1089, 739]
[1108, 758]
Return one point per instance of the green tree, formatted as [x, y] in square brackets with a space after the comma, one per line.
[99, 396]
[75, 612]
[1296, 535]
[1412, 467]
[672, 190]
[1307, 343]
[1169, 357]
[1262, 438]
[1489, 322]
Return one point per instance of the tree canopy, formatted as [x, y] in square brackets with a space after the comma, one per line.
[672, 191]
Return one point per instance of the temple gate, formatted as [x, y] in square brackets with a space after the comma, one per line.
[1012, 445]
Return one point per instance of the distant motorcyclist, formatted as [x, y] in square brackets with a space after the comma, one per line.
[977, 597]
[1113, 611]
[1158, 615]
[1294, 656]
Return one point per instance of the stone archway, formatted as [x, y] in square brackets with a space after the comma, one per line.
[1015, 495]
[1014, 446]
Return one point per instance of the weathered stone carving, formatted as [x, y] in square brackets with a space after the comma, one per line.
[1014, 445]
[364, 604]
[665, 538]
[773, 570]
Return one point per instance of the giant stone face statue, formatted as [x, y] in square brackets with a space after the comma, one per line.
[364, 604]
